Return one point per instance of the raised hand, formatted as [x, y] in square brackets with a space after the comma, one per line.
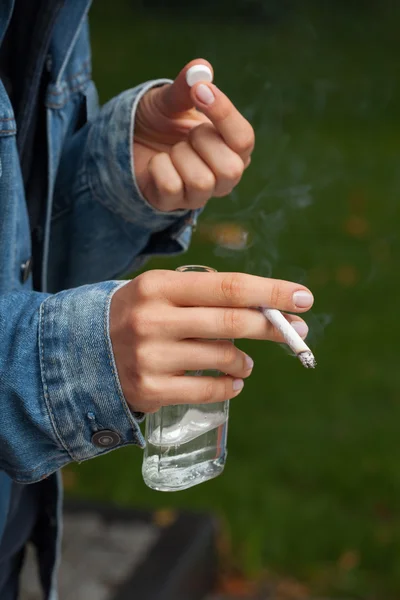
[183, 156]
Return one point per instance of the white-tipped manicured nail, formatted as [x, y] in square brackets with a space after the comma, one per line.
[198, 73]
[237, 384]
[204, 94]
[249, 362]
[303, 299]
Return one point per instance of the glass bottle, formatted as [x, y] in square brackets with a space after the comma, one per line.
[186, 443]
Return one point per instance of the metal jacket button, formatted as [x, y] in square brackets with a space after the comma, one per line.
[106, 438]
[26, 270]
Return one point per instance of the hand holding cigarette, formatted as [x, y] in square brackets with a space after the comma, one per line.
[164, 323]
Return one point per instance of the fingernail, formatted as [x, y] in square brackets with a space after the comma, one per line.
[237, 384]
[300, 327]
[249, 362]
[303, 299]
[204, 94]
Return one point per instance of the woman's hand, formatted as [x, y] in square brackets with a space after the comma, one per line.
[162, 324]
[184, 157]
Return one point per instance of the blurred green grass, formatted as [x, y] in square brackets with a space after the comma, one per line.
[313, 473]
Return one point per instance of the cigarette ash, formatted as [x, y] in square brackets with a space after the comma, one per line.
[307, 360]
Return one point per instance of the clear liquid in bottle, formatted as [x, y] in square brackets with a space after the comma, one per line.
[189, 451]
[186, 444]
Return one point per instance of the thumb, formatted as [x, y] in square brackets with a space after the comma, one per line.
[176, 98]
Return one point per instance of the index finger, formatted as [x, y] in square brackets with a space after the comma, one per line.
[229, 122]
[235, 290]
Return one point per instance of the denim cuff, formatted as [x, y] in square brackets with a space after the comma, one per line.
[82, 391]
[110, 162]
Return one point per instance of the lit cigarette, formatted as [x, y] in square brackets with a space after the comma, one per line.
[291, 337]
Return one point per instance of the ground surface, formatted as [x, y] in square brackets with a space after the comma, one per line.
[96, 558]
[99, 556]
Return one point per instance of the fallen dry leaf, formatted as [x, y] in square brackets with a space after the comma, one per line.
[164, 517]
[357, 226]
[349, 560]
[237, 586]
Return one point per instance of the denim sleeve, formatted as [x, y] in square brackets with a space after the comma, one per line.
[97, 200]
[109, 162]
[58, 381]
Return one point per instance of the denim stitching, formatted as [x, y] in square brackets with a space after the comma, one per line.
[105, 323]
[33, 470]
[20, 476]
[78, 88]
[112, 360]
[45, 388]
[73, 41]
[58, 467]
[73, 86]
[70, 86]
[74, 76]
[49, 205]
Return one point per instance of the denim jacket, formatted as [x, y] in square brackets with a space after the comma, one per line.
[58, 382]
